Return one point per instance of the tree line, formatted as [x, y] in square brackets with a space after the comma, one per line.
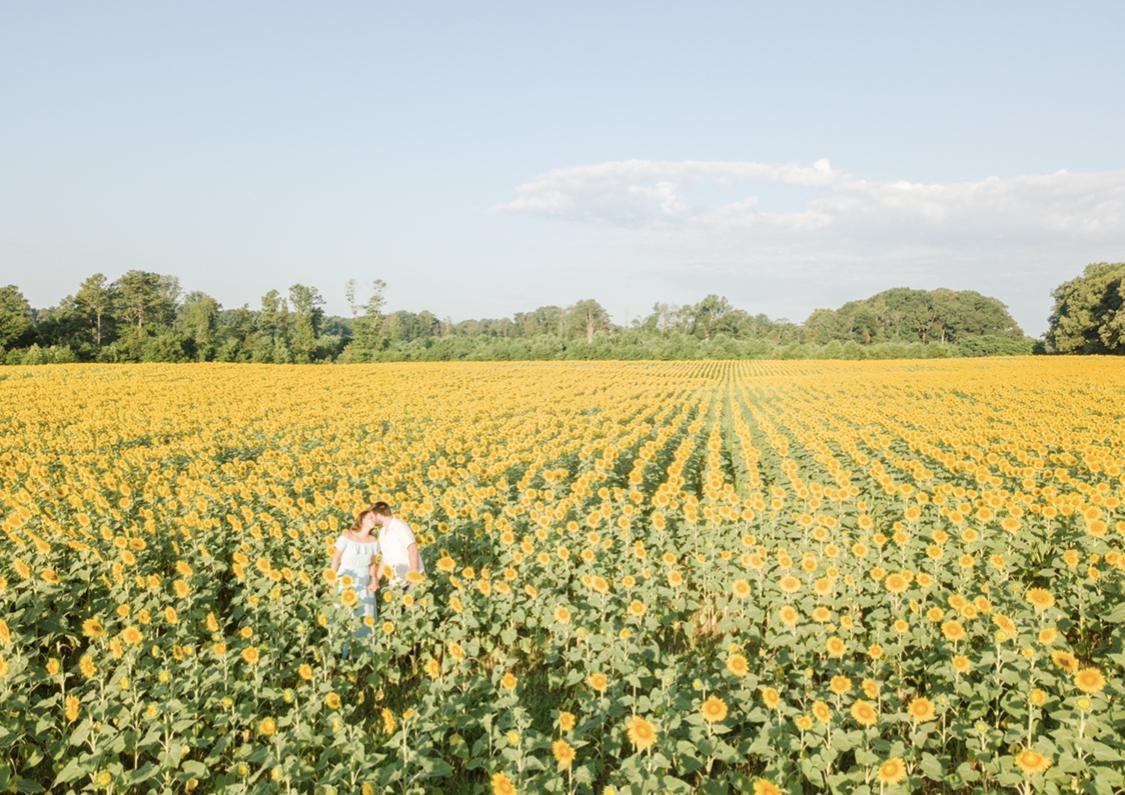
[145, 316]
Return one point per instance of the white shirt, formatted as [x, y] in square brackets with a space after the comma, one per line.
[394, 541]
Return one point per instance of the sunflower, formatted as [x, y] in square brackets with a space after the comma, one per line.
[921, 709]
[953, 631]
[892, 771]
[132, 636]
[563, 752]
[1089, 680]
[737, 665]
[508, 681]
[770, 697]
[72, 704]
[840, 684]
[92, 628]
[1032, 762]
[636, 608]
[789, 615]
[741, 589]
[598, 682]
[641, 733]
[1065, 660]
[566, 722]
[332, 700]
[835, 647]
[562, 615]
[765, 787]
[821, 711]
[895, 583]
[349, 598]
[267, 726]
[1040, 598]
[502, 785]
[790, 584]
[251, 655]
[864, 713]
[1005, 623]
[962, 664]
[714, 709]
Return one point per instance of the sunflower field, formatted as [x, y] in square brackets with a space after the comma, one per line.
[641, 577]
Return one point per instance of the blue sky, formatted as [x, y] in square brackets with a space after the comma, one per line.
[485, 158]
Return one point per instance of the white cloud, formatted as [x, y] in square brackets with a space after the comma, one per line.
[694, 194]
[776, 234]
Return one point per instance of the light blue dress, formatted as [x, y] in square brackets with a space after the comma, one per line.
[355, 562]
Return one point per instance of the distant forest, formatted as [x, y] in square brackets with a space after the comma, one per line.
[143, 316]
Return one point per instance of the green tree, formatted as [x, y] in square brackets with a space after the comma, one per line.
[94, 302]
[369, 332]
[586, 318]
[822, 326]
[197, 322]
[15, 317]
[236, 331]
[271, 340]
[146, 298]
[1089, 312]
[708, 315]
[306, 303]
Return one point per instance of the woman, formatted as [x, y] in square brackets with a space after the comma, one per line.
[357, 565]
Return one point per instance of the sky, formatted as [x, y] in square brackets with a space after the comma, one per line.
[485, 158]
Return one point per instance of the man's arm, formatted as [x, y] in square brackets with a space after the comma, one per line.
[412, 552]
[376, 573]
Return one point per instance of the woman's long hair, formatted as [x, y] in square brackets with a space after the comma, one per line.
[359, 519]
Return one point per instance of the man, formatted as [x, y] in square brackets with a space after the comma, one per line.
[397, 544]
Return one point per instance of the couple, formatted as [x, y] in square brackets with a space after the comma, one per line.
[363, 557]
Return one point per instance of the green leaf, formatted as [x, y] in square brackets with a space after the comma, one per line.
[1116, 615]
[72, 770]
[147, 771]
[931, 767]
[194, 768]
[434, 768]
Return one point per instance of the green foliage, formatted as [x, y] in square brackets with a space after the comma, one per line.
[905, 315]
[15, 317]
[1089, 312]
[141, 317]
